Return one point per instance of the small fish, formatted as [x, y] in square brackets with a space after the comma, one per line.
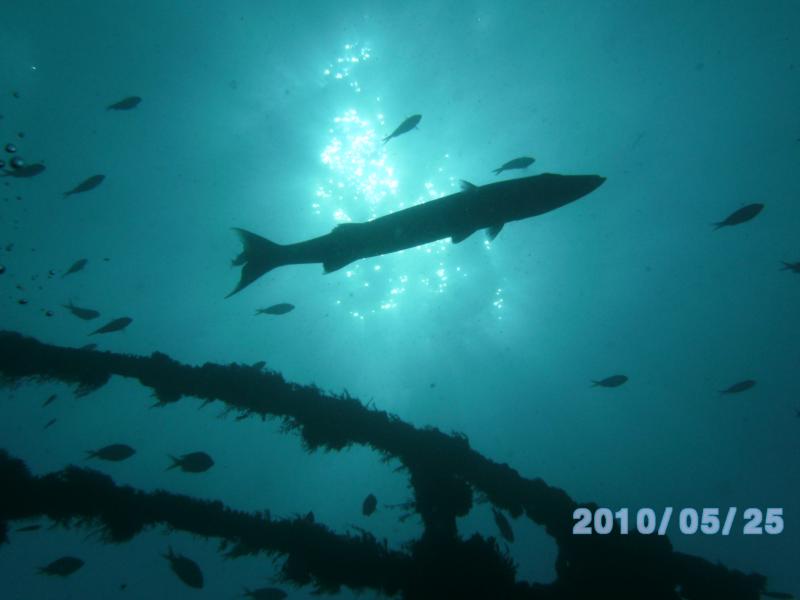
[369, 505]
[25, 171]
[739, 387]
[194, 462]
[795, 267]
[125, 104]
[613, 381]
[78, 265]
[113, 452]
[523, 162]
[87, 314]
[185, 568]
[267, 593]
[503, 525]
[276, 309]
[66, 565]
[28, 528]
[404, 127]
[49, 423]
[115, 325]
[50, 400]
[88, 347]
[86, 185]
[742, 215]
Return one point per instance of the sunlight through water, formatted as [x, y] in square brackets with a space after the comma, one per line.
[363, 183]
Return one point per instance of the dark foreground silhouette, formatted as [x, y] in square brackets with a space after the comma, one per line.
[445, 476]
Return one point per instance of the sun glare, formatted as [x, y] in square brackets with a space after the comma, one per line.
[364, 183]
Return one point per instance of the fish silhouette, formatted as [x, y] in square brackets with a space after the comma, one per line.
[404, 127]
[86, 185]
[125, 104]
[523, 162]
[742, 215]
[456, 216]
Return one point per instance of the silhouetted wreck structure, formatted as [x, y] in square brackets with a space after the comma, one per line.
[444, 472]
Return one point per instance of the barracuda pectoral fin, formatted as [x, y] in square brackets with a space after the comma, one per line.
[334, 264]
[459, 237]
[491, 232]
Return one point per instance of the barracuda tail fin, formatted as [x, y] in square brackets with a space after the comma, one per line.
[258, 256]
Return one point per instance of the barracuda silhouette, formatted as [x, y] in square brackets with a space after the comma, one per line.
[456, 216]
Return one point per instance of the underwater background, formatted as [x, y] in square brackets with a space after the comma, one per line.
[269, 116]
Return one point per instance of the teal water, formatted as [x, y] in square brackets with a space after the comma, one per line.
[269, 116]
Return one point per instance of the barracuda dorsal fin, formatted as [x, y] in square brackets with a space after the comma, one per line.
[492, 231]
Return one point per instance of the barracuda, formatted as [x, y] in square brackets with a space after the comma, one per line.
[456, 216]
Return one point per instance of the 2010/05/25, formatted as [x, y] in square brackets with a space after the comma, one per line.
[601, 521]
